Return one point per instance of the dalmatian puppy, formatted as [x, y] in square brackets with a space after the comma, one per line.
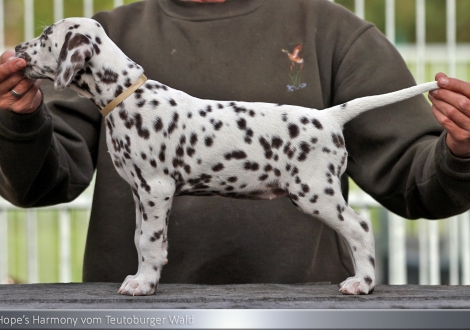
[165, 143]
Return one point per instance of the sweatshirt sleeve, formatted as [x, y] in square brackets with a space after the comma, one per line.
[49, 156]
[397, 153]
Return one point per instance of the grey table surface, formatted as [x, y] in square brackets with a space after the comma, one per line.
[240, 296]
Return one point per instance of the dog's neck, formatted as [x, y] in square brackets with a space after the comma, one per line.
[101, 84]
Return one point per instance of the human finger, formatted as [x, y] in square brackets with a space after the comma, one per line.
[457, 126]
[21, 87]
[449, 113]
[454, 99]
[10, 65]
[25, 103]
[456, 85]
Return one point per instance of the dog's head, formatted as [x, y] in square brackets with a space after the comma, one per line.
[62, 51]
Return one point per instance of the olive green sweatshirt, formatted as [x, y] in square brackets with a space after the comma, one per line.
[312, 53]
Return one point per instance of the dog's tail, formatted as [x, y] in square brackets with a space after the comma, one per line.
[347, 111]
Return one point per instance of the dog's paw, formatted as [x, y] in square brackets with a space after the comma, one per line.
[138, 285]
[356, 285]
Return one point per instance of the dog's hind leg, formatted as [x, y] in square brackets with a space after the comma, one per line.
[361, 241]
[357, 231]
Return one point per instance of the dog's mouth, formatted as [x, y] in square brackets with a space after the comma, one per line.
[31, 71]
[26, 71]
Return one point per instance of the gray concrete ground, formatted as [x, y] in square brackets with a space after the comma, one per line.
[254, 296]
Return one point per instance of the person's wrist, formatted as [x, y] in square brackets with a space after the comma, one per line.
[460, 149]
[450, 164]
[24, 122]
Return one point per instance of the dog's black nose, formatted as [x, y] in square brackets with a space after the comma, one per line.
[21, 48]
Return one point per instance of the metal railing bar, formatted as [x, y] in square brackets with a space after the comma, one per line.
[359, 8]
[420, 40]
[453, 224]
[58, 10]
[65, 248]
[434, 260]
[435, 53]
[397, 244]
[88, 8]
[390, 20]
[32, 246]
[451, 32]
[453, 237]
[2, 26]
[423, 240]
[428, 256]
[28, 19]
[464, 222]
[3, 246]
[82, 202]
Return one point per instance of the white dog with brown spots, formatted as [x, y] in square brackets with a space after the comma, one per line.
[164, 142]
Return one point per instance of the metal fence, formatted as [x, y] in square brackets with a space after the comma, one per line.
[31, 244]
[438, 245]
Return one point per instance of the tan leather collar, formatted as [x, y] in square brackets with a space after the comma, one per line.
[124, 95]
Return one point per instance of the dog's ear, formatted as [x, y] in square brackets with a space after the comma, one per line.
[76, 51]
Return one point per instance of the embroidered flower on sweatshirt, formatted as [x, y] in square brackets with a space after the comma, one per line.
[296, 66]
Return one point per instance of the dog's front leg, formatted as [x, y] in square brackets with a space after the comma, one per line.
[153, 204]
[138, 229]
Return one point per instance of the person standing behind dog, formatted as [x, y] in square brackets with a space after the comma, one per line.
[288, 52]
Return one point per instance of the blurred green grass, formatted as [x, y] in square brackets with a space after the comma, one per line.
[47, 244]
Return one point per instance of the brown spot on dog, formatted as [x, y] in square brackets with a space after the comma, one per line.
[77, 40]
